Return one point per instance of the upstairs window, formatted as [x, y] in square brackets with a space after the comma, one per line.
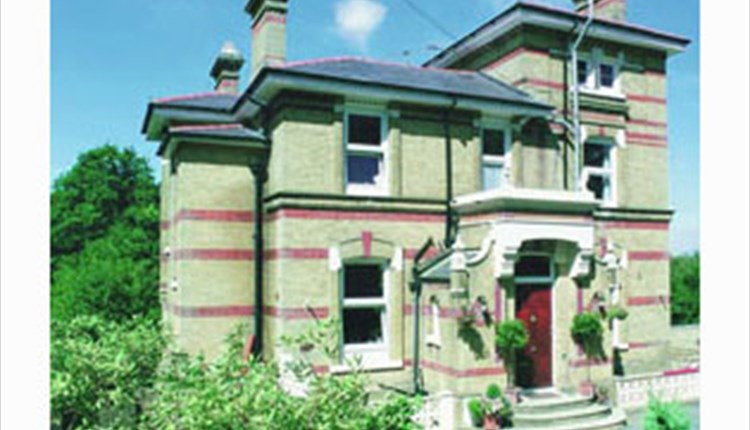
[364, 311]
[606, 76]
[494, 159]
[365, 155]
[599, 74]
[598, 171]
[583, 72]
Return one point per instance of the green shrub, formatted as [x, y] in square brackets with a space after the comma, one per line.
[493, 392]
[588, 333]
[665, 416]
[510, 337]
[232, 393]
[100, 371]
[476, 411]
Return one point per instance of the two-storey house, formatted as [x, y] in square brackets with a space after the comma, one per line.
[532, 152]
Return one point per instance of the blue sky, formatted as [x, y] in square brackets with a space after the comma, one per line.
[109, 58]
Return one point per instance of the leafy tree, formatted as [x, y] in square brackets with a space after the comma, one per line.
[105, 237]
[685, 286]
[106, 185]
[100, 371]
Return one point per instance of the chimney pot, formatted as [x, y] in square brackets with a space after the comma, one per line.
[226, 68]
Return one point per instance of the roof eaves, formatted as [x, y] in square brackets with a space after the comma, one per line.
[530, 103]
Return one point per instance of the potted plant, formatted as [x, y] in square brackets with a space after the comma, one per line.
[510, 337]
[491, 412]
[616, 312]
[587, 332]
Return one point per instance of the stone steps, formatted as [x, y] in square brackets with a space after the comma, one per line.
[558, 411]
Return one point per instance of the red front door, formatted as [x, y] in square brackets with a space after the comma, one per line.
[533, 307]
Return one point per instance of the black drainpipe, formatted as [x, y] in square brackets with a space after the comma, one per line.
[449, 221]
[416, 289]
[260, 173]
[259, 168]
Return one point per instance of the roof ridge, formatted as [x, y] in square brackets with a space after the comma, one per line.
[327, 60]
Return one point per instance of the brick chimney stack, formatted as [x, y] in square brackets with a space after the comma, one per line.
[226, 69]
[614, 10]
[269, 32]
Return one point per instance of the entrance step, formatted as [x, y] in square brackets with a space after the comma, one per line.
[553, 410]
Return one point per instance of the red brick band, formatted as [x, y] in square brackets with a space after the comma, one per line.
[585, 362]
[661, 145]
[647, 123]
[648, 300]
[647, 99]
[646, 136]
[268, 17]
[682, 371]
[539, 83]
[646, 344]
[247, 310]
[355, 215]
[648, 255]
[458, 373]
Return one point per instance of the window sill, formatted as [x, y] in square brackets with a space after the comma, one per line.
[364, 191]
[370, 367]
[608, 93]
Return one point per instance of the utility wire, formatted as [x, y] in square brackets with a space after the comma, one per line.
[427, 17]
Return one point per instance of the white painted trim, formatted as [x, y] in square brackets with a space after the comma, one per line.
[381, 187]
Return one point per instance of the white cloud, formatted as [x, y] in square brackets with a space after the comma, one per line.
[357, 19]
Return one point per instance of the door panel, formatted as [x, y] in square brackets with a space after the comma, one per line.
[534, 308]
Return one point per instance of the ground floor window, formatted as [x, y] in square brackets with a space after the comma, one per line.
[364, 310]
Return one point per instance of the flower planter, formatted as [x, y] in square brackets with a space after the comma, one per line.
[490, 423]
[587, 389]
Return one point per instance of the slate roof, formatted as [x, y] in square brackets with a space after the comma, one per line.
[225, 131]
[451, 82]
[211, 101]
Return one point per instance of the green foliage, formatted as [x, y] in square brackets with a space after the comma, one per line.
[105, 237]
[100, 371]
[616, 312]
[231, 393]
[493, 405]
[685, 289]
[493, 392]
[510, 337]
[476, 411]
[665, 416]
[588, 333]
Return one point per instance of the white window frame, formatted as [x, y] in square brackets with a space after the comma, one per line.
[381, 187]
[504, 161]
[609, 172]
[371, 354]
[593, 85]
